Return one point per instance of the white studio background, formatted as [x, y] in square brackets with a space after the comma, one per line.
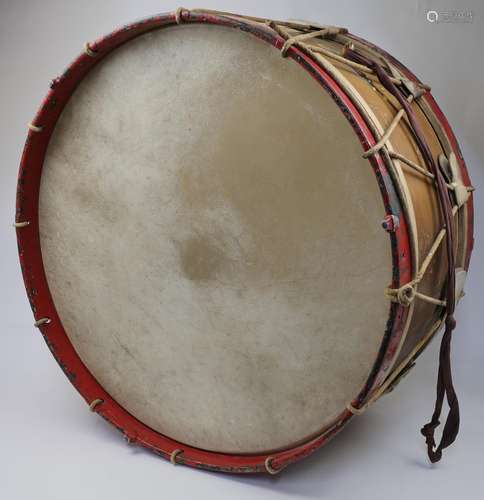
[51, 447]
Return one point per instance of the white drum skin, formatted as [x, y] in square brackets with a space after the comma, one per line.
[200, 202]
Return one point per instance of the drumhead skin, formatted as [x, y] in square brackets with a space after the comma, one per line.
[211, 238]
[203, 246]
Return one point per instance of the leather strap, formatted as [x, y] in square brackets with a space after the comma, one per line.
[445, 385]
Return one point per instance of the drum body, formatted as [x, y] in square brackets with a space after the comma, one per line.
[212, 261]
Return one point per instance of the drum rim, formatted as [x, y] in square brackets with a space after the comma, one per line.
[43, 307]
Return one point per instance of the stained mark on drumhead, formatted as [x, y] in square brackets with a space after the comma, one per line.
[260, 186]
[200, 258]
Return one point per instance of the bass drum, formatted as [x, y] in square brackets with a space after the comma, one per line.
[229, 234]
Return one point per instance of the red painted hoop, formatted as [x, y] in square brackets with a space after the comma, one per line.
[41, 300]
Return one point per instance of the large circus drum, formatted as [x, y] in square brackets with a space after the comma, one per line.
[236, 234]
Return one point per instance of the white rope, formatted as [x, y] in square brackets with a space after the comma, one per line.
[35, 128]
[174, 454]
[94, 403]
[42, 321]
[21, 224]
[89, 51]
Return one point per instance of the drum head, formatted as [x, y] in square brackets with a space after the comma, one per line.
[211, 239]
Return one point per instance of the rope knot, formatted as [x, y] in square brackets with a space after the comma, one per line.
[404, 295]
[179, 13]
